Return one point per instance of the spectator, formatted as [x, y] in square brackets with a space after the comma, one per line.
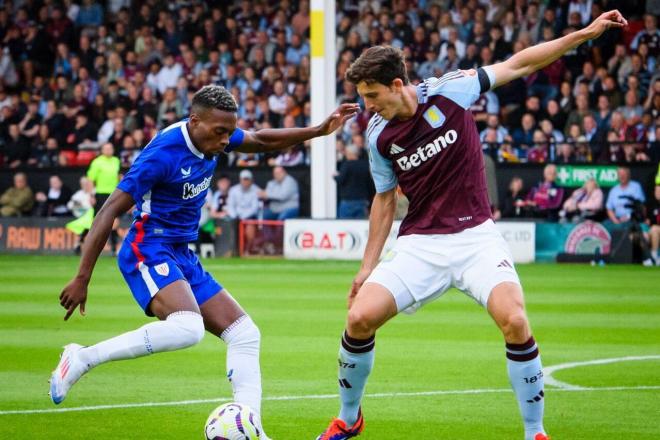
[584, 203]
[83, 199]
[354, 185]
[84, 132]
[168, 75]
[540, 152]
[17, 147]
[565, 153]
[282, 196]
[593, 135]
[17, 200]
[581, 109]
[218, 204]
[632, 111]
[604, 112]
[243, 198]
[54, 202]
[621, 201]
[81, 205]
[544, 200]
[514, 200]
[650, 36]
[523, 137]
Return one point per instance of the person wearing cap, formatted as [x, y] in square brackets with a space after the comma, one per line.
[243, 198]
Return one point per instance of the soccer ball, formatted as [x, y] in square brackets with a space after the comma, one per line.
[233, 421]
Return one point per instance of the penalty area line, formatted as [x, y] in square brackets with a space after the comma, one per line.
[309, 397]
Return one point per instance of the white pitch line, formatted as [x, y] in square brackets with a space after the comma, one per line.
[548, 371]
[305, 397]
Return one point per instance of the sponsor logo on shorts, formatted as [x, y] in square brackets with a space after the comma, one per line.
[162, 269]
[505, 263]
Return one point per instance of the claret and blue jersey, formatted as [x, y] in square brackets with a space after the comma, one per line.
[168, 182]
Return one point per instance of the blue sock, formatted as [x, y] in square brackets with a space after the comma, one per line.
[526, 376]
[356, 359]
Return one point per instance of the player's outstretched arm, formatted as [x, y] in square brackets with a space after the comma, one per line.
[380, 224]
[75, 293]
[537, 57]
[272, 139]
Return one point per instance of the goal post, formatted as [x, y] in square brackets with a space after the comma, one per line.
[323, 99]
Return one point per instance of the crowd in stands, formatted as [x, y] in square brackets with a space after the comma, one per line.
[75, 76]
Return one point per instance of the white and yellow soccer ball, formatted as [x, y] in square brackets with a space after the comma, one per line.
[233, 421]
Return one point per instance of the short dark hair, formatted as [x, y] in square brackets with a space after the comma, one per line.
[212, 96]
[379, 64]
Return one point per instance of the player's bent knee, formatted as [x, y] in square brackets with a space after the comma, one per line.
[190, 326]
[359, 324]
[515, 326]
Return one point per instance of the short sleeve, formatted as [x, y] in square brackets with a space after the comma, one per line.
[147, 170]
[235, 140]
[462, 86]
[609, 204]
[381, 170]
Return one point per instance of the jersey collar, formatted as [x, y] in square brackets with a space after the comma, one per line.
[189, 144]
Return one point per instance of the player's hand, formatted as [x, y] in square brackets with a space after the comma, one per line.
[73, 295]
[342, 114]
[607, 20]
[358, 281]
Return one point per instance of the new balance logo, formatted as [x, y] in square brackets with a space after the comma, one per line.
[186, 172]
[344, 383]
[395, 149]
[505, 263]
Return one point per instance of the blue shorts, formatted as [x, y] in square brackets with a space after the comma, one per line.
[149, 267]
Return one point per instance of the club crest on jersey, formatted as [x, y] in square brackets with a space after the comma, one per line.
[162, 269]
[434, 117]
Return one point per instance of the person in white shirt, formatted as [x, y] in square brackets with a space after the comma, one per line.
[169, 74]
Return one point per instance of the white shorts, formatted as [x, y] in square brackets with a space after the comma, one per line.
[420, 268]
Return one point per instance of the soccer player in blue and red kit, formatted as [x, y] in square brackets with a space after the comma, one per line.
[168, 184]
[424, 139]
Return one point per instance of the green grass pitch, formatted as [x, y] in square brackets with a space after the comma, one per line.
[439, 374]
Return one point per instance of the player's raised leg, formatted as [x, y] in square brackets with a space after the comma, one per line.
[506, 306]
[225, 318]
[373, 306]
[180, 326]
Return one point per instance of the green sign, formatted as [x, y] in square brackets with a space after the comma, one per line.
[568, 175]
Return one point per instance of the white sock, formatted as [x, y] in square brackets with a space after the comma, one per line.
[526, 376]
[179, 330]
[243, 371]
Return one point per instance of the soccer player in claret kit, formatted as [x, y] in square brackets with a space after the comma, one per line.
[168, 184]
[424, 139]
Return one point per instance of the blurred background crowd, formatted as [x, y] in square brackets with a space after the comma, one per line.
[78, 78]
